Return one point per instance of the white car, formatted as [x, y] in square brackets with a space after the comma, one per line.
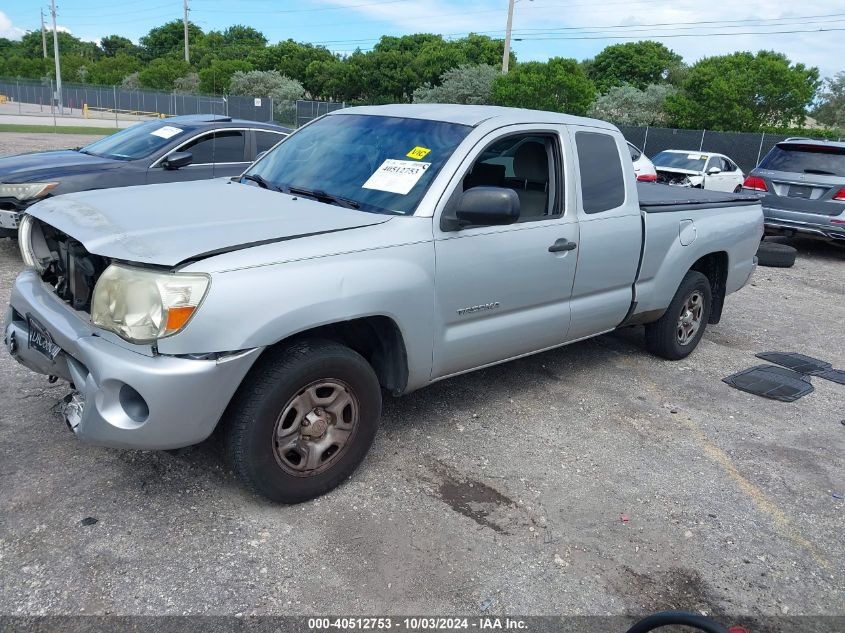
[704, 170]
[643, 167]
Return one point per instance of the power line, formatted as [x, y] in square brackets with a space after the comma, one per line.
[638, 37]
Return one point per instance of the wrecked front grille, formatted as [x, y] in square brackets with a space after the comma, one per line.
[72, 270]
[671, 178]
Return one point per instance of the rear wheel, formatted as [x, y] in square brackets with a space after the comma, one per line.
[303, 420]
[738, 189]
[681, 327]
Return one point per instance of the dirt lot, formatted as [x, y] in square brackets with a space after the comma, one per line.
[38, 142]
[594, 479]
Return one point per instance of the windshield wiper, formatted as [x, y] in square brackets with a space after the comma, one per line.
[322, 196]
[821, 172]
[264, 184]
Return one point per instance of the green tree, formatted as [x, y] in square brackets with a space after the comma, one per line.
[635, 63]
[831, 108]
[110, 71]
[187, 85]
[336, 80]
[215, 79]
[160, 73]
[289, 58]
[559, 85]
[169, 39]
[465, 84]
[262, 83]
[628, 105]
[744, 92]
[113, 45]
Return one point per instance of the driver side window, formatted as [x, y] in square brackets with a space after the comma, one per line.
[527, 163]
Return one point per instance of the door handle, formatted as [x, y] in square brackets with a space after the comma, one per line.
[562, 244]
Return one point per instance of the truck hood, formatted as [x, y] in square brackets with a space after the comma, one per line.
[172, 224]
[51, 165]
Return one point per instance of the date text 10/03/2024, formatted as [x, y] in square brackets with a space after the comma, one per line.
[416, 623]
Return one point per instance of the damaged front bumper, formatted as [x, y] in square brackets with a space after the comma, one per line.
[124, 399]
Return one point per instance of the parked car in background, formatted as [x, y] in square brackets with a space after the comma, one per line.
[175, 149]
[378, 248]
[704, 170]
[803, 182]
[643, 167]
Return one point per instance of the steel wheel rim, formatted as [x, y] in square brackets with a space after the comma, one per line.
[689, 321]
[315, 427]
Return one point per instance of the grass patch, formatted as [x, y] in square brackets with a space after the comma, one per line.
[61, 129]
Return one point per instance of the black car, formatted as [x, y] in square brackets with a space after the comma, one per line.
[164, 150]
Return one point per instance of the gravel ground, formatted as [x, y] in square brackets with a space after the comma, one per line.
[18, 143]
[593, 479]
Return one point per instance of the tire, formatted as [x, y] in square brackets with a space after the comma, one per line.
[776, 255]
[663, 337]
[269, 412]
[778, 239]
[738, 189]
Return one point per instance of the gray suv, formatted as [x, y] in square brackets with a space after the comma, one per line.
[803, 182]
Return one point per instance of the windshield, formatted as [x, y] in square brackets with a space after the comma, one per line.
[135, 142]
[806, 159]
[374, 163]
[678, 160]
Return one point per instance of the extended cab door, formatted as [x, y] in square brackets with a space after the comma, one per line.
[500, 291]
[611, 233]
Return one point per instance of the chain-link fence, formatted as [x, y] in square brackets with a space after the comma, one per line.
[745, 148]
[97, 98]
[309, 110]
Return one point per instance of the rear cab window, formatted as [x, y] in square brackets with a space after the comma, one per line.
[802, 158]
[602, 178]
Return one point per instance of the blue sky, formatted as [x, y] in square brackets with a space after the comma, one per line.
[543, 28]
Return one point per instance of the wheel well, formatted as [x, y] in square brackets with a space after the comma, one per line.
[715, 267]
[376, 338]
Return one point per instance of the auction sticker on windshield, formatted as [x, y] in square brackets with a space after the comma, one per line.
[418, 152]
[166, 131]
[396, 176]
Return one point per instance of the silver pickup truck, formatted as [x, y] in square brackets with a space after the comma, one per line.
[377, 248]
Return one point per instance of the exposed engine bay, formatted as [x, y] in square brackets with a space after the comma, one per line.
[61, 262]
[677, 179]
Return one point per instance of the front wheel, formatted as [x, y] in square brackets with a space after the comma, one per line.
[303, 420]
[681, 327]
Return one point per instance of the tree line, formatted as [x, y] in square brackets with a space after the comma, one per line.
[636, 83]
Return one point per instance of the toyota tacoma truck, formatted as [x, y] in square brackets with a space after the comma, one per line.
[376, 249]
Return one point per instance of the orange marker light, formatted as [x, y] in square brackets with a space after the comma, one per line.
[178, 317]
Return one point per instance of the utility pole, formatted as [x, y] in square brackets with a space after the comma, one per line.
[56, 54]
[43, 35]
[506, 58]
[187, 54]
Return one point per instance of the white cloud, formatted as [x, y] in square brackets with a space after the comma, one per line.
[8, 30]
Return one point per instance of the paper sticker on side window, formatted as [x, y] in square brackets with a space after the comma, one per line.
[418, 152]
[166, 131]
[396, 176]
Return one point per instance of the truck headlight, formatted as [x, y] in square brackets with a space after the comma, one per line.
[142, 306]
[25, 190]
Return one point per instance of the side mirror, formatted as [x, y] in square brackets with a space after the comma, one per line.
[487, 206]
[714, 170]
[177, 160]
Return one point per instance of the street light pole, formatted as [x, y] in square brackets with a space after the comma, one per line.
[56, 54]
[506, 57]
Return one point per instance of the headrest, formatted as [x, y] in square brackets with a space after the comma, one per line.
[531, 163]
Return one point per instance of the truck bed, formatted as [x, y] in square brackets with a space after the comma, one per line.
[656, 198]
